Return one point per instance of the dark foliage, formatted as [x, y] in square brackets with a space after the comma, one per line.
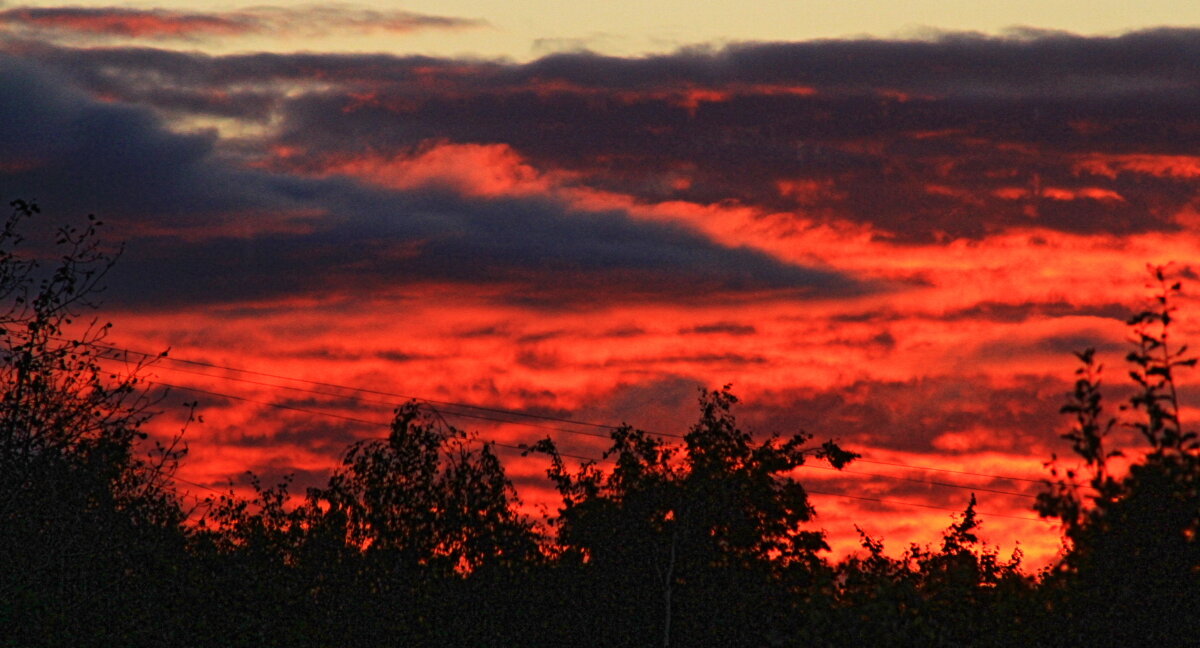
[1133, 571]
[690, 544]
[90, 533]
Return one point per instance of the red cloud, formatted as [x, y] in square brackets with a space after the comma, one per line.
[1160, 166]
[165, 24]
[127, 22]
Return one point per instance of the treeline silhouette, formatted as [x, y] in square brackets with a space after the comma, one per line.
[418, 539]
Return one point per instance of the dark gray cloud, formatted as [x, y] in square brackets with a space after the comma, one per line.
[175, 198]
[550, 257]
[912, 415]
[1152, 63]
[994, 311]
[85, 155]
[961, 136]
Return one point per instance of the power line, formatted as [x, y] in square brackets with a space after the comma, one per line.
[508, 412]
[487, 409]
[369, 422]
[278, 405]
[197, 484]
[544, 427]
[390, 403]
[524, 449]
[365, 390]
[359, 399]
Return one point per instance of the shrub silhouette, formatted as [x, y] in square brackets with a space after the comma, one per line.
[958, 594]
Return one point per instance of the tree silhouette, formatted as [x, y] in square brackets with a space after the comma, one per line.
[1133, 569]
[429, 498]
[405, 541]
[696, 544]
[84, 513]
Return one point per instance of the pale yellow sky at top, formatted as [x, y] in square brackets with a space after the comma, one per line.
[525, 29]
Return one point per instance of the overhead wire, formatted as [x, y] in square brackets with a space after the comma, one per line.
[260, 383]
[525, 449]
[305, 410]
[359, 399]
[376, 392]
[457, 404]
[497, 410]
[269, 404]
[513, 413]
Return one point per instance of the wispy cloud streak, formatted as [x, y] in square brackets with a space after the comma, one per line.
[75, 24]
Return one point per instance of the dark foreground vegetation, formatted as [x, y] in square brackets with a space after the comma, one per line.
[418, 540]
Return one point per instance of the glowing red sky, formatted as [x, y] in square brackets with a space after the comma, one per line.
[896, 244]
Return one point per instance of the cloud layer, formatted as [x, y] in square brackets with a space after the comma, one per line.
[894, 243]
[960, 137]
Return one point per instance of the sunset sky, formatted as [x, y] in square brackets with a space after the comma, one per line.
[884, 223]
